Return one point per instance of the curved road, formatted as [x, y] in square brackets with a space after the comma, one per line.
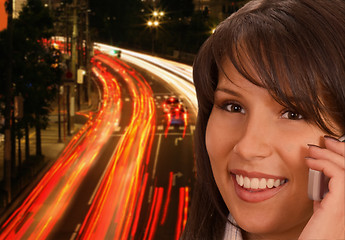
[127, 174]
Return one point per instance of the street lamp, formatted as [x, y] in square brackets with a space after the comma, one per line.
[158, 14]
[153, 24]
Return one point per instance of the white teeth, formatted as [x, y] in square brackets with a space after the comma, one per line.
[270, 183]
[239, 179]
[256, 183]
[262, 183]
[276, 183]
[246, 182]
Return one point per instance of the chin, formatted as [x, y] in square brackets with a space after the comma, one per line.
[262, 228]
[270, 224]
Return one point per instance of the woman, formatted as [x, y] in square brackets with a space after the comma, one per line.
[270, 84]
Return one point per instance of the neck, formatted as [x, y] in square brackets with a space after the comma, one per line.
[249, 236]
[288, 235]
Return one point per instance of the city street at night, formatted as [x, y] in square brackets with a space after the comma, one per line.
[172, 120]
[98, 115]
[128, 173]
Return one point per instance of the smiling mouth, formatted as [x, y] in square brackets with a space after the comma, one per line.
[255, 184]
[257, 187]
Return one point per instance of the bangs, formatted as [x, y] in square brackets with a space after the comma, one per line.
[275, 56]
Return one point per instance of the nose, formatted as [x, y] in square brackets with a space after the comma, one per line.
[255, 141]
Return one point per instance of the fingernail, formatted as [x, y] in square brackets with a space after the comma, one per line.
[333, 139]
[312, 145]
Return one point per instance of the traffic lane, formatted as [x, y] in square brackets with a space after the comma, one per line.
[122, 183]
[175, 151]
[176, 156]
[171, 168]
[165, 209]
[163, 90]
[68, 226]
[38, 214]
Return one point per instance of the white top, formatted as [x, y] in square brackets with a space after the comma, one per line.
[231, 231]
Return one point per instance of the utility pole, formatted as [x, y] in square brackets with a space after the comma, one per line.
[59, 112]
[8, 102]
[74, 62]
[88, 54]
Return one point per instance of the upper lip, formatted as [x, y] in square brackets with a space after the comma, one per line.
[256, 174]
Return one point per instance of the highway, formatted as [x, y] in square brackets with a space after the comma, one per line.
[129, 172]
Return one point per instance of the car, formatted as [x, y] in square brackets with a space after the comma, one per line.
[171, 103]
[177, 116]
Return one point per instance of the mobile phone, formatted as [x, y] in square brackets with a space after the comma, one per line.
[318, 182]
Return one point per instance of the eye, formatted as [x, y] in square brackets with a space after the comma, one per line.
[292, 115]
[233, 107]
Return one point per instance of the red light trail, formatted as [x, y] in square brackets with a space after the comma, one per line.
[44, 206]
[119, 197]
[116, 207]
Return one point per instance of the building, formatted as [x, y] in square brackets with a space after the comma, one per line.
[17, 7]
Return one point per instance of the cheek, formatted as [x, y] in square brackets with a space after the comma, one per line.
[219, 144]
[218, 140]
[213, 146]
[293, 160]
[293, 149]
[217, 151]
[293, 155]
[220, 135]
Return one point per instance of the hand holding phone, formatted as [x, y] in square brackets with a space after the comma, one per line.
[318, 183]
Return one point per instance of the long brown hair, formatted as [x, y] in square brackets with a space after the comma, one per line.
[297, 48]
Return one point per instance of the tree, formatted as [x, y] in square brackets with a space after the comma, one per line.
[39, 77]
[35, 77]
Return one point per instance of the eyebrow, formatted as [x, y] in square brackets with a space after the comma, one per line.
[228, 91]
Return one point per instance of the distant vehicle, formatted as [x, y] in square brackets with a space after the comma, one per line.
[115, 52]
[171, 103]
[177, 116]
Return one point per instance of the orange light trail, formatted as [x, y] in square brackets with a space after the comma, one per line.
[45, 205]
[116, 206]
[167, 200]
[155, 209]
[182, 211]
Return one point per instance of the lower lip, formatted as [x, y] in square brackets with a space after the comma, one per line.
[255, 195]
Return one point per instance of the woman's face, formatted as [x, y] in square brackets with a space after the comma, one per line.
[257, 149]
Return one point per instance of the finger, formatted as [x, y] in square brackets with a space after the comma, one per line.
[335, 145]
[317, 152]
[330, 169]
